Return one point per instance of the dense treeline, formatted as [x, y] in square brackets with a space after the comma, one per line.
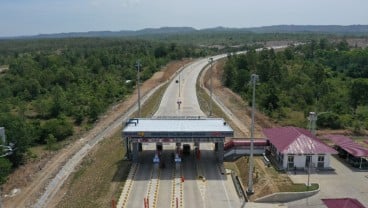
[328, 78]
[53, 86]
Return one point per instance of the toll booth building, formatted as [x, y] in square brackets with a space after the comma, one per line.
[175, 130]
[292, 147]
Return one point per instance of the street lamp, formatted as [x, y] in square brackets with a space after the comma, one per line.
[312, 118]
[138, 65]
[179, 82]
[250, 190]
[211, 87]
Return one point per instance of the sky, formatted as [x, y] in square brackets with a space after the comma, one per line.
[32, 17]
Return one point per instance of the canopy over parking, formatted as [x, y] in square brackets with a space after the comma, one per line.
[354, 153]
[178, 130]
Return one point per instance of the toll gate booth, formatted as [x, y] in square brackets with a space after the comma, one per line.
[175, 130]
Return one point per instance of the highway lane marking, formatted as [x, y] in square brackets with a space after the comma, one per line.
[177, 183]
[153, 186]
[223, 185]
[122, 202]
[201, 181]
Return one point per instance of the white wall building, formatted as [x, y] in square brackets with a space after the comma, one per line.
[293, 147]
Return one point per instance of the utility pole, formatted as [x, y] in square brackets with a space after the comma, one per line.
[211, 87]
[138, 65]
[179, 81]
[250, 190]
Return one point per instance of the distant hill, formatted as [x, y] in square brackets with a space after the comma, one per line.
[323, 29]
[335, 29]
[123, 33]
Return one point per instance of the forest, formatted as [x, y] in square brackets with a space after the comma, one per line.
[54, 86]
[326, 77]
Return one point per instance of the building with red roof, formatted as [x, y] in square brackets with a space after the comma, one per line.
[348, 149]
[293, 147]
[343, 203]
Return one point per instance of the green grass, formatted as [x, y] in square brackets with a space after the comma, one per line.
[99, 177]
[102, 174]
[299, 187]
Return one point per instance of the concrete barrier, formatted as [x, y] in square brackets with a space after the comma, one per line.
[283, 197]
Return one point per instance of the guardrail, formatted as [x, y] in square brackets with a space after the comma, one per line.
[239, 187]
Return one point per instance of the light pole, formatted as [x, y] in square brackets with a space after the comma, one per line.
[312, 118]
[211, 87]
[309, 164]
[179, 81]
[250, 190]
[138, 65]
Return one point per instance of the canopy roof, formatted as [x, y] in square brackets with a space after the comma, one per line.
[177, 128]
[348, 145]
[293, 140]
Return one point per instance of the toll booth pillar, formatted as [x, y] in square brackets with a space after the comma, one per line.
[127, 146]
[135, 152]
[177, 148]
[220, 151]
[196, 145]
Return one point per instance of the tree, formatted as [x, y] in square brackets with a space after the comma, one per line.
[359, 92]
[5, 169]
[50, 142]
[60, 128]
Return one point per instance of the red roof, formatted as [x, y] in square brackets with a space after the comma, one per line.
[348, 145]
[343, 203]
[294, 140]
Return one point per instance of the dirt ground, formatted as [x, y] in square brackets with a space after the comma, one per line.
[236, 104]
[32, 177]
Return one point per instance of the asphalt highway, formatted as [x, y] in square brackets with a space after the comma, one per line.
[179, 185]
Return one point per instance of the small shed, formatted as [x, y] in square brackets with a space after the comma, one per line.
[293, 147]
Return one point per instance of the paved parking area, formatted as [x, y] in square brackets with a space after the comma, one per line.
[343, 182]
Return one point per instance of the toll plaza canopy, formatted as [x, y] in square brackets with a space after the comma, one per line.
[180, 129]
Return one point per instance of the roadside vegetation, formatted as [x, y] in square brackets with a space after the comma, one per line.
[56, 88]
[326, 77]
[101, 176]
[267, 180]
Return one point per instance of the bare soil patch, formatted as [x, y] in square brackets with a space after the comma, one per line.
[235, 103]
